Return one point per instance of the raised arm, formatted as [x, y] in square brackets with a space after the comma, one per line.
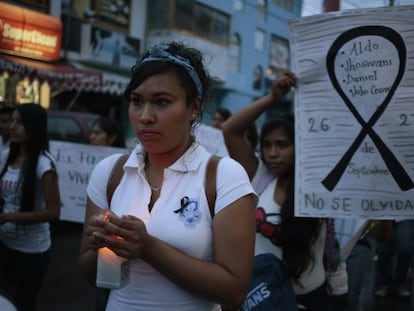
[234, 128]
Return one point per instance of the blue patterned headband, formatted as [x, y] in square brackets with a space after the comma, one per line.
[158, 52]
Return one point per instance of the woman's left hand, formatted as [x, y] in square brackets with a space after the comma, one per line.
[127, 236]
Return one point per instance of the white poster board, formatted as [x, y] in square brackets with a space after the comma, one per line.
[75, 162]
[354, 113]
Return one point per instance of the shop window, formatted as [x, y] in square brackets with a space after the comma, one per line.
[257, 78]
[262, 9]
[191, 16]
[45, 95]
[3, 79]
[288, 5]
[278, 53]
[238, 5]
[27, 92]
[234, 53]
[220, 30]
[203, 21]
[158, 13]
[259, 39]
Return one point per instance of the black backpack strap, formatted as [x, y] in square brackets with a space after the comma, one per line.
[115, 177]
[210, 182]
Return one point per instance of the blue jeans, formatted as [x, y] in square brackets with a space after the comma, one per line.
[361, 274]
[402, 246]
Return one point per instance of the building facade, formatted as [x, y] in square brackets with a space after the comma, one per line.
[245, 43]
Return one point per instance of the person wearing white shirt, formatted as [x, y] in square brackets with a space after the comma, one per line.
[181, 256]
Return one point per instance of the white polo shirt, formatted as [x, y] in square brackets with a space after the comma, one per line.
[189, 231]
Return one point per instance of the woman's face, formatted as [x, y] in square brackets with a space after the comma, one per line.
[217, 120]
[159, 114]
[278, 152]
[100, 138]
[17, 130]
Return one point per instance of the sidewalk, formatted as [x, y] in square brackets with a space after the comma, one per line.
[64, 288]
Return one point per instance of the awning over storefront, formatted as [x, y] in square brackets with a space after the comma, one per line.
[113, 82]
[57, 74]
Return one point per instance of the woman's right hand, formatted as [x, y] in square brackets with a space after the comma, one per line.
[126, 235]
[96, 229]
[282, 84]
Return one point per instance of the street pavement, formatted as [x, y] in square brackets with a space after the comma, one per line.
[65, 289]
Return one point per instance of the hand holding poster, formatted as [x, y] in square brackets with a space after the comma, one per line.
[354, 113]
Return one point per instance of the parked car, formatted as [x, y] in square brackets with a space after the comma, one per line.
[70, 126]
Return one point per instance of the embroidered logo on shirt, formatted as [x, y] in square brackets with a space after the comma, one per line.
[189, 213]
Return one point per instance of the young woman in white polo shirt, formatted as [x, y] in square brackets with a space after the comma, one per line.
[181, 257]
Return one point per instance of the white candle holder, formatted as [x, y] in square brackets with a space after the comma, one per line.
[112, 270]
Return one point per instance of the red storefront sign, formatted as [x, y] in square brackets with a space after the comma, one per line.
[29, 33]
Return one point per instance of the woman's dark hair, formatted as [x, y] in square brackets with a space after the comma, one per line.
[298, 234]
[34, 119]
[142, 71]
[252, 135]
[112, 128]
[225, 113]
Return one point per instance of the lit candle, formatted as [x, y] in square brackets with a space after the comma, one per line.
[112, 270]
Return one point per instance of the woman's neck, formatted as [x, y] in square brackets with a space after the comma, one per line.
[283, 185]
[160, 161]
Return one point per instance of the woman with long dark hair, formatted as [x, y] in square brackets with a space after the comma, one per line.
[30, 200]
[107, 132]
[298, 242]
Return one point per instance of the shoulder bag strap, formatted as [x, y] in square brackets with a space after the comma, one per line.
[210, 182]
[115, 177]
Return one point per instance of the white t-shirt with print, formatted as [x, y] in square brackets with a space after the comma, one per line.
[188, 230]
[28, 238]
[314, 275]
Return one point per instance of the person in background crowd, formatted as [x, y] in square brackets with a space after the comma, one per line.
[221, 115]
[252, 135]
[299, 242]
[5, 120]
[183, 256]
[30, 200]
[107, 132]
[401, 247]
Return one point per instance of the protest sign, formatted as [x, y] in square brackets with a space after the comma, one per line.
[74, 164]
[211, 138]
[354, 113]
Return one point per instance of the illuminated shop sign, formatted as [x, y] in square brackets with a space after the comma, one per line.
[29, 33]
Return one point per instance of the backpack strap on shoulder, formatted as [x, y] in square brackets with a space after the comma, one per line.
[115, 177]
[210, 182]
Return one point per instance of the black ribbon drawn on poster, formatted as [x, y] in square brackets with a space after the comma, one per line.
[394, 166]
